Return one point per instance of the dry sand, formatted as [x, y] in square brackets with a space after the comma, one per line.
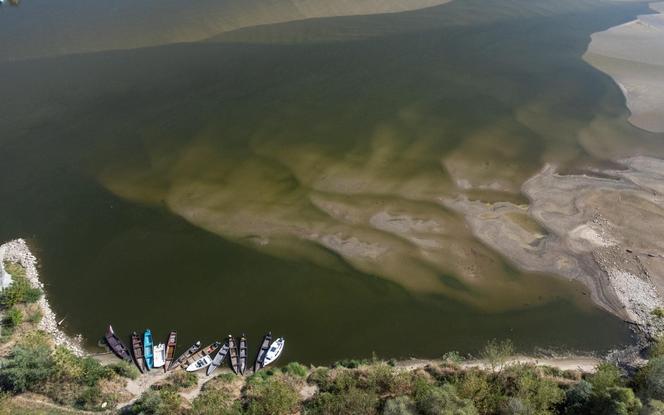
[633, 55]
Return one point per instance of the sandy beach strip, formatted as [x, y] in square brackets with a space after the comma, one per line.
[633, 55]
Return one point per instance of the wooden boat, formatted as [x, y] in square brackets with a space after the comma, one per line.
[201, 363]
[262, 351]
[147, 349]
[171, 344]
[116, 345]
[232, 351]
[218, 358]
[184, 356]
[137, 348]
[207, 350]
[242, 354]
[159, 355]
[275, 351]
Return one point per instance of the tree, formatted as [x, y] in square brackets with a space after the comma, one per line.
[441, 400]
[496, 353]
[606, 375]
[650, 379]
[615, 400]
[28, 366]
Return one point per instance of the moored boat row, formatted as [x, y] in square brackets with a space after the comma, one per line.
[146, 355]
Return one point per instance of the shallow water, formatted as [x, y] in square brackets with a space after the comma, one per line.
[291, 177]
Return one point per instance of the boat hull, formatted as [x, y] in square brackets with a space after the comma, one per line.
[148, 349]
[116, 345]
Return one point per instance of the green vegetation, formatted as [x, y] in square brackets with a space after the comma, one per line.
[658, 312]
[13, 318]
[20, 291]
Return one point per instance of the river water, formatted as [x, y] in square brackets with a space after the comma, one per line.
[292, 176]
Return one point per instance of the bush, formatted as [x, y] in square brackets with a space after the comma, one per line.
[182, 380]
[350, 402]
[453, 357]
[654, 407]
[615, 400]
[296, 369]
[163, 402]
[125, 369]
[443, 400]
[13, 317]
[20, 290]
[496, 353]
[577, 398]
[383, 379]
[650, 379]
[606, 375]
[658, 312]
[272, 397]
[530, 392]
[485, 394]
[401, 405]
[656, 349]
[215, 402]
[321, 378]
[35, 317]
[27, 367]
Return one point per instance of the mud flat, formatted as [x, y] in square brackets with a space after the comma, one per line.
[602, 228]
[633, 55]
[17, 251]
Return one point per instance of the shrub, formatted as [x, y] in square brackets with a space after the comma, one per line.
[496, 353]
[383, 379]
[606, 375]
[125, 369]
[485, 394]
[13, 317]
[215, 402]
[350, 402]
[296, 369]
[401, 405]
[657, 347]
[577, 398]
[163, 402]
[453, 357]
[350, 363]
[615, 400]
[658, 312]
[28, 366]
[182, 380]
[532, 393]
[20, 290]
[272, 397]
[35, 317]
[650, 379]
[443, 400]
[321, 378]
[654, 407]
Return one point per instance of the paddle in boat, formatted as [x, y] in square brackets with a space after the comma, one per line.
[147, 349]
[159, 355]
[232, 351]
[274, 351]
[242, 354]
[171, 344]
[205, 351]
[262, 351]
[201, 363]
[137, 348]
[116, 345]
[184, 356]
[218, 358]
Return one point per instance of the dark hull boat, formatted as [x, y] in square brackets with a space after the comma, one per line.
[260, 357]
[207, 350]
[232, 351]
[218, 359]
[116, 345]
[170, 349]
[184, 356]
[137, 348]
[242, 354]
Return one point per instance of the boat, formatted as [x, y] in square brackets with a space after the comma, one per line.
[171, 344]
[242, 354]
[201, 363]
[184, 356]
[232, 351]
[218, 358]
[207, 350]
[275, 351]
[262, 351]
[116, 345]
[137, 348]
[159, 355]
[147, 349]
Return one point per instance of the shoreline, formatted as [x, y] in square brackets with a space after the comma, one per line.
[18, 251]
[632, 54]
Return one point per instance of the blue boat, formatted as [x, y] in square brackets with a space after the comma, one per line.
[147, 349]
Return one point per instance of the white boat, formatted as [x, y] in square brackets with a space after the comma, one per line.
[200, 364]
[275, 350]
[159, 352]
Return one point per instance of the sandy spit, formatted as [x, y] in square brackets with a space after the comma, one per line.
[18, 251]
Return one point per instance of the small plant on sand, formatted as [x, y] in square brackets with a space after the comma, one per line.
[20, 290]
[13, 317]
[295, 369]
[272, 397]
[125, 369]
[183, 380]
[496, 353]
[35, 317]
[658, 312]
